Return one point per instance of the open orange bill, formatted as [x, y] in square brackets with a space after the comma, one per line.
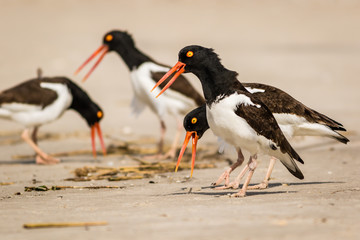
[195, 138]
[102, 50]
[179, 68]
[96, 127]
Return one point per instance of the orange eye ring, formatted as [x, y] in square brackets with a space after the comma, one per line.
[194, 120]
[99, 114]
[109, 37]
[190, 54]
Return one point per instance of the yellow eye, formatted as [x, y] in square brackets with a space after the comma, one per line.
[194, 120]
[189, 54]
[99, 114]
[109, 37]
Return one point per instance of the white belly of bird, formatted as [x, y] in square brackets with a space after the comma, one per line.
[170, 101]
[234, 129]
[33, 115]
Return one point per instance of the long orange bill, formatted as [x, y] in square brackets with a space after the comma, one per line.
[186, 141]
[195, 138]
[103, 48]
[96, 127]
[194, 143]
[93, 140]
[179, 68]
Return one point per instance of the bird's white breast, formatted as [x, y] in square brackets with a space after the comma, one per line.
[234, 129]
[169, 102]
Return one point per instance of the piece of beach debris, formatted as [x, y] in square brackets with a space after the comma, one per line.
[45, 188]
[6, 183]
[62, 224]
[144, 170]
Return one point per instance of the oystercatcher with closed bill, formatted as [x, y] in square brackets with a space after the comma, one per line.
[144, 73]
[233, 113]
[36, 102]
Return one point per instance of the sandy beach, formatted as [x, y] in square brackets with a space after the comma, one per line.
[310, 49]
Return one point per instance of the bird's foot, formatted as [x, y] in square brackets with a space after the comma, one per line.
[262, 185]
[45, 159]
[232, 185]
[225, 176]
[241, 193]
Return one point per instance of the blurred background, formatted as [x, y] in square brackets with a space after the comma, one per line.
[311, 49]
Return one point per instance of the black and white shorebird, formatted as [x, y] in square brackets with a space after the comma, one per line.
[36, 102]
[144, 73]
[195, 124]
[304, 122]
[294, 119]
[233, 113]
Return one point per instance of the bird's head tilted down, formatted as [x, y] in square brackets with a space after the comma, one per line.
[195, 124]
[90, 111]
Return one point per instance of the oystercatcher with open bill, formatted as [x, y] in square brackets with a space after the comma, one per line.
[233, 113]
[144, 73]
[36, 102]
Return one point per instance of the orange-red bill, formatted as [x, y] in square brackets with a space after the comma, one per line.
[104, 49]
[186, 141]
[195, 138]
[96, 127]
[194, 143]
[179, 68]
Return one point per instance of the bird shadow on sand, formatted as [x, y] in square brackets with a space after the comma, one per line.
[222, 193]
[252, 192]
[273, 185]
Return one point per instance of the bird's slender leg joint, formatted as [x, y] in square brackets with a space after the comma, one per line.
[159, 155]
[226, 175]
[252, 164]
[235, 184]
[264, 184]
[172, 152]
[34, 134]
[162, 136]
[42, 157]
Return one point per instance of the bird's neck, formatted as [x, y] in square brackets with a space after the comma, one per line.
[81, 101]
[132, 56]
[218, 81]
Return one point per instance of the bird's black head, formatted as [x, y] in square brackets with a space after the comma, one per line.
[198, 58]
[84, 105]
[116, 40]
[195, 121]
[92, 113]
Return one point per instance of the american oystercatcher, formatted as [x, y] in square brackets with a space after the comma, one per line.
[196, 125]
[233, 113]
[39, 101]
[294, 119]
[144, 73]
[304, 121]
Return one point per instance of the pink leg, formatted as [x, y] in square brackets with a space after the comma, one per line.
[42, 157]
[264, 184]
[235, 184]
[226, 175]
[162, 136]
[172, 152]
[252, 166]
